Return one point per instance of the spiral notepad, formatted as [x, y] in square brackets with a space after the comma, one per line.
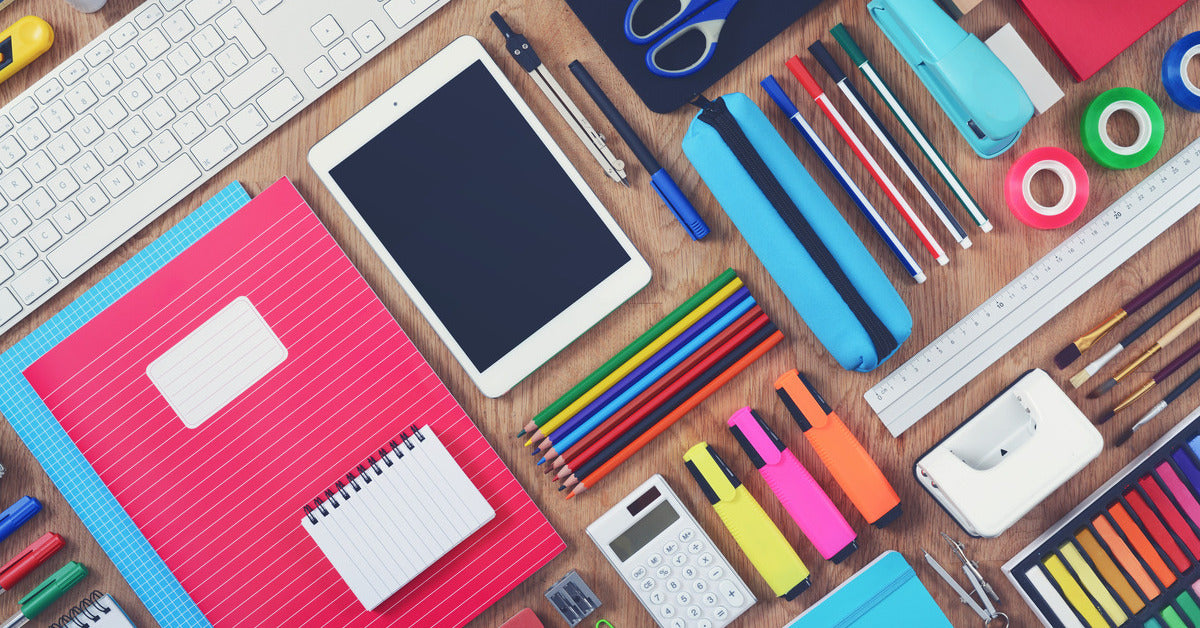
[97, 610]
[396, 515]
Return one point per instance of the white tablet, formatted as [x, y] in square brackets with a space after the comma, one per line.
[479, 215]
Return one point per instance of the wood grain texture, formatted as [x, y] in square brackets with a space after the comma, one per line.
[681, 267]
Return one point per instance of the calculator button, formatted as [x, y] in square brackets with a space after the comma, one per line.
[678, 559]
[715, 573]
[666, 610]
[700, 586]
[730, 593]
[687, 535]
[663, 572]
[721, 613]
[678, 623]
[684, 597]
[693, 612]
[673, 585]
[671, 547]
[654, 560]
[710, 599]
[638, 573]
[647, 584]
[705, 560]
[695, 547]
[658, 597]
[704, 623]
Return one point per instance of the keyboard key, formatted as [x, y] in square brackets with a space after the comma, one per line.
[38, 203]
[6, 298]
[135, 131]
[86, 168]
[116, 181]
[171, 4]
[81, 98]
[368, 36]
[105, 80]
[204, 10]
[140, 164]
[183, 58]
[242, 88]
[6, 125]
[135, 94]
[57, 115]
[14, 221]
[72, 72]
[33, 133]
[148, 16]
[344, 54]
[34, 282]
[159, 113]
[280, 99]
[207, 41]
[87, 130]
[153, 44]
[68, 218]
[178, 26]
[233, 25]
[246, 124]
[98, 53]
[164, 145]
[110, 149]
[212, 110]
[404, 11]
[92, 199]
[123, 35]
[38, 165]
[326, 30]
[45, 235]
[320, 71]
[159, 76]
[264, 6]
[207, 77]
[231, 60]
[48, 90]
[20, 253]
[98, 234]
[129, 62]
[111, 112]
[212, 149]
[22, 109]
[189, 127]
[10, 151]
[62, 185]
[183, 95]
[14, 184]
[63, 148]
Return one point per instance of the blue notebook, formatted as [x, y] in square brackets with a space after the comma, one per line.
[884, 594]
[68, 469]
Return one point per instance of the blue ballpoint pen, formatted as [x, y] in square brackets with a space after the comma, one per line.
[789, 109]
[17, 514]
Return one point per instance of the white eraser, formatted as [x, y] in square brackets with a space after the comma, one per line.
[1020, 60]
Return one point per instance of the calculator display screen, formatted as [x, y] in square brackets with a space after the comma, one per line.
[644, 531]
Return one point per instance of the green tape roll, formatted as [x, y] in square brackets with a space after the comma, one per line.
[1102, 148]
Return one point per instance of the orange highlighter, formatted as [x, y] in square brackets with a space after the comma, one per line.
[850, 464]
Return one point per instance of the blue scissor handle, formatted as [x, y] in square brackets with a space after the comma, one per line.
[686, 9]
[708, 23]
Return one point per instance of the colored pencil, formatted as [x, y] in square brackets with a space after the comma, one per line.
[617, 360]
[918, 136]
[1167, 338]
[666, 400]
[1175, 393]
[681, 354]
[1091, 369]
[1071, 352]
[1162, 374]
[622, 389]
[867, 113]
[641, 356]
[785, 104]
[764, 345]
[860, 151]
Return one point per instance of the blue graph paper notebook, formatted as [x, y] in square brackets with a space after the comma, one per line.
[67, 467]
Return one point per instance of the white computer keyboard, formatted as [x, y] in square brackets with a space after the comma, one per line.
[149, 110]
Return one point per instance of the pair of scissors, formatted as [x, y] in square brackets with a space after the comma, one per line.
[704, 17]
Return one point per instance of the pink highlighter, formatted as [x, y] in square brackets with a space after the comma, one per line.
[799, 493]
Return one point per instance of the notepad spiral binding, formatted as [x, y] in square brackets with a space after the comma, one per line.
[88, 611]
[360, 476]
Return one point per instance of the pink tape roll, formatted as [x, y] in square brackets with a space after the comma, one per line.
[1074, 182]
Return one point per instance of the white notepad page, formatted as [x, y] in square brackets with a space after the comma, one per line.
[416, 508]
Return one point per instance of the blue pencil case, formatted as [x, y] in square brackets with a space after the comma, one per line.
[804, 243]
[886, 592]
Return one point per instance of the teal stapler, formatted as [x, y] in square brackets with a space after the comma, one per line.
[972, 85]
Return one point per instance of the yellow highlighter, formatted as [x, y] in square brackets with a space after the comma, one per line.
[750, 526]
[23, 42]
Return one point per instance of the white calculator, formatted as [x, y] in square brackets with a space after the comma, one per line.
[672, 566]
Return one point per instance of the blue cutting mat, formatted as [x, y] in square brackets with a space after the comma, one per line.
[72, 474]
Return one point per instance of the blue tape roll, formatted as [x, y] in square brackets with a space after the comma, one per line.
[1175, 79]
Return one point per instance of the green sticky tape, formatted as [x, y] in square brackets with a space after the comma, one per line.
[1094, 128]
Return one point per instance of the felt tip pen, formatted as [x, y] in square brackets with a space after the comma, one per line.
[46, 594]
[17, 514]
[810, 84]
[785, 104]
[801, 496]
[662, 182]
[849, 464]
[755, 533]
[29, 559]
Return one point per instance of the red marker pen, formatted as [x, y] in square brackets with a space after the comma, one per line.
[29, 559]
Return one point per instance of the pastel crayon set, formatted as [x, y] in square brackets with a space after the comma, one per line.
[1129, 555]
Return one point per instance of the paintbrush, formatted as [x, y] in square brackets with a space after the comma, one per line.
[1166, 339]
[1161, 375]
[1159, 407]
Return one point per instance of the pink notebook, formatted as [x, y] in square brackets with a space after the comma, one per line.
[240, 381]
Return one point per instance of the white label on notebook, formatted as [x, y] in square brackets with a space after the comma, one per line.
[220, 360]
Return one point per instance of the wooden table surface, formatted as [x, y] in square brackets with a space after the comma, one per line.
[680, 268]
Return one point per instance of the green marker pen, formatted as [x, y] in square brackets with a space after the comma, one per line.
[46, 593]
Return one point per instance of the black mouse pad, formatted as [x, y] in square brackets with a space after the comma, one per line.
[751, 24]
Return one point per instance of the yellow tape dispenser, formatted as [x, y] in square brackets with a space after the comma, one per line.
[750, 526]
[23, 42]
